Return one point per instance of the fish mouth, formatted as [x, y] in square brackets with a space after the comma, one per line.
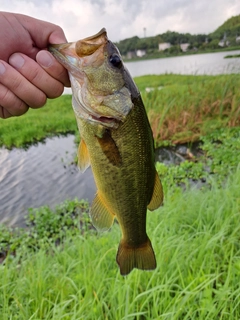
[67, 56]
[73, 55]
[106, 121]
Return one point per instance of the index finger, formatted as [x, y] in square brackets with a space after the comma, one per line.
[53, 67]
[42, 32]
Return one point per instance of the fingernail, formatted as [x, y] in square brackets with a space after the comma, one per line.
[16, 60]
[45, 58]
[2, 68]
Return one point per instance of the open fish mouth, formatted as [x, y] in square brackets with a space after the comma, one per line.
[97, 75]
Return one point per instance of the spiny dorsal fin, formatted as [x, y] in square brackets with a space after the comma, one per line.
[157, 196]
[102, 218]
[110, 148]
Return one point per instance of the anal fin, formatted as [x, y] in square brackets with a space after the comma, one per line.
[102, 218]
[157, 196]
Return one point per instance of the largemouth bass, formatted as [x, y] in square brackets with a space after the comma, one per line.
[117, 141]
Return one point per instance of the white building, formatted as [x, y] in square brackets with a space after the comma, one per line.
[223, 43]
[140, 53]
[164, 46]
[184, 46]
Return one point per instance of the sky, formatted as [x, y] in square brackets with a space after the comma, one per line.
[127, 18]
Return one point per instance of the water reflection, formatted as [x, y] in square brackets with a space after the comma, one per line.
[42, 175]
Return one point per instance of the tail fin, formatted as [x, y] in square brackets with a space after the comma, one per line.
[141, 257]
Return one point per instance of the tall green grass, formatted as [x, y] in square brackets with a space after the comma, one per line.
[187, 107]
[183, 108]
[196, 237]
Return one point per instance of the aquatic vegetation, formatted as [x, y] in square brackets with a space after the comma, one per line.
[45, 226]
[221, 155]
[232, 56]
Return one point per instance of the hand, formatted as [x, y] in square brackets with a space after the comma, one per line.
[28, 74]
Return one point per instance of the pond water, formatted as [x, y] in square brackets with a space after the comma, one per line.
[197, 64]
[44, 174]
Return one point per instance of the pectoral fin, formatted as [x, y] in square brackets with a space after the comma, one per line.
[83, 156]
[157, 196]
[102, 218]
[110, 148]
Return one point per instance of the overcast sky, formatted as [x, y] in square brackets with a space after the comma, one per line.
[126, 18]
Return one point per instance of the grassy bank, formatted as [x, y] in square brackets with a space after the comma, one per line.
[61, 268]
[180, 108]
[55, 118]
[183, 108]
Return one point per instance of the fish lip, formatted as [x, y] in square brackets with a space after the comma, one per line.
[106, 121]
[69, 61]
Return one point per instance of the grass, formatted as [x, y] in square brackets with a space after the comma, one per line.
[186, 108]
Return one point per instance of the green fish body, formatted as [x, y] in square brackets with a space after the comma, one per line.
[117, 141]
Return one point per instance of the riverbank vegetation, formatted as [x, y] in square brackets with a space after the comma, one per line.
[59, 267]
[232, 56]
[180, 108]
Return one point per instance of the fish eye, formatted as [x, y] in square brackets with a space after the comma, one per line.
[115, 60]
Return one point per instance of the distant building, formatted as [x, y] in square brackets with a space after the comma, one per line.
[223, 43]
[163, 46]
[131, 54]
[184, 46]
[140, 53]
[136, 53]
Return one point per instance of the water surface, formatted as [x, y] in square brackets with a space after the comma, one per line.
[197, 64]
[42, 175]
